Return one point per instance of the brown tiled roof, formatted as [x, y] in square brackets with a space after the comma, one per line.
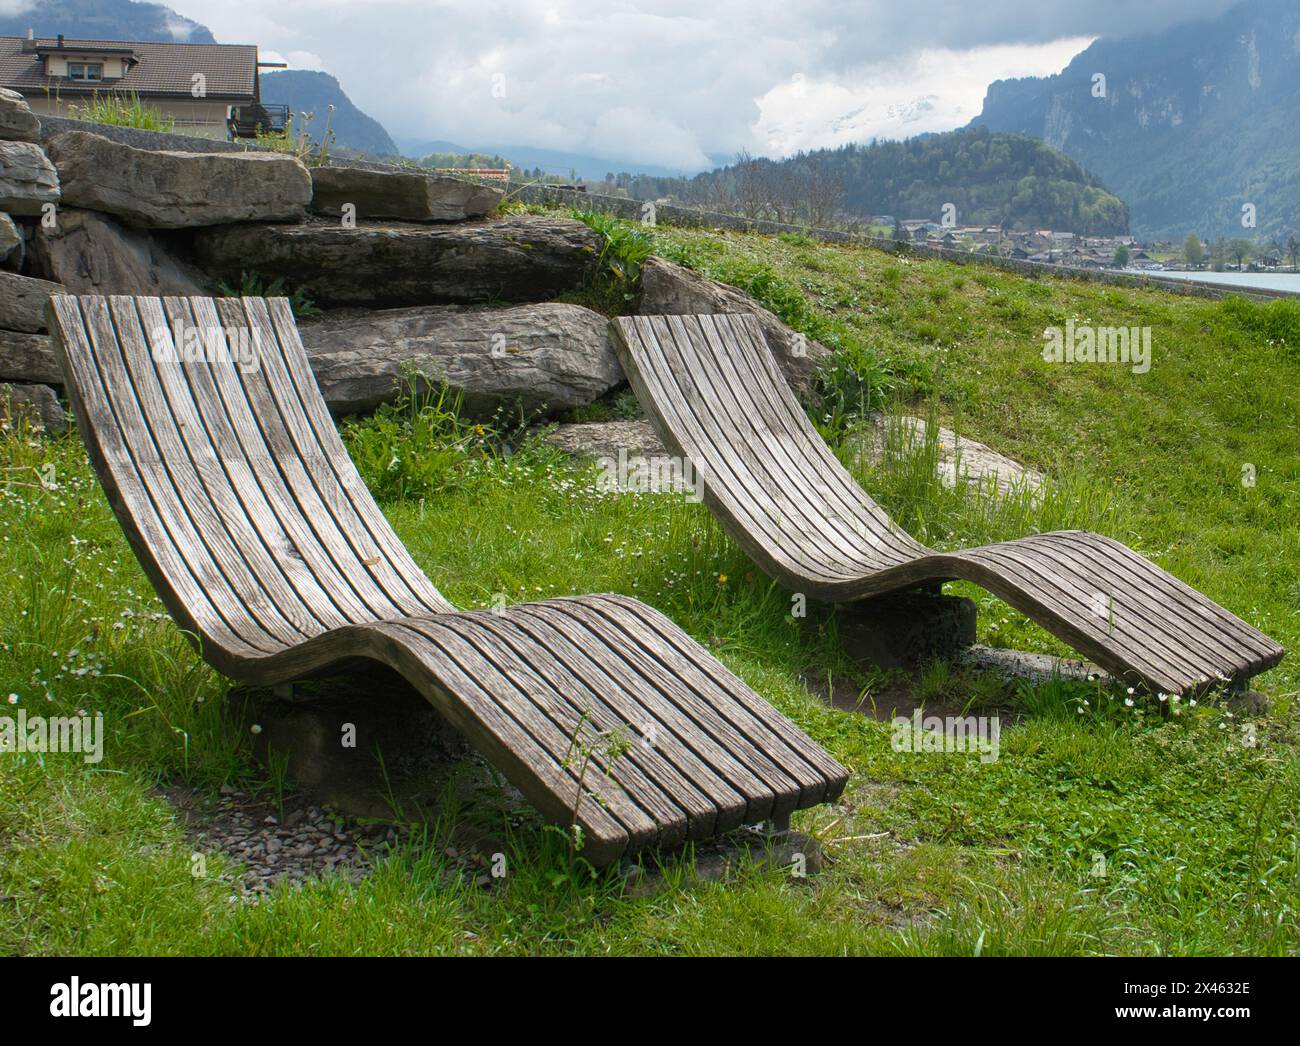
[161, 69]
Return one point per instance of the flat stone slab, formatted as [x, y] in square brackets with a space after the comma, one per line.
[543, 357]
[521, 258]
[178, 190]
[958, 456]
[22, 302]
[1036, 668]
[408, 196]
[28, 358]
[630, 454]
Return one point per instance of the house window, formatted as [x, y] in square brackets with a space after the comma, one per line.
[87, 71]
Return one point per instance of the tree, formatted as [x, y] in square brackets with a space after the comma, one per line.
[751, 188]
[1239, 250]
[1193, 252]
[1121, 256]
[1293, 250]
[823, 191]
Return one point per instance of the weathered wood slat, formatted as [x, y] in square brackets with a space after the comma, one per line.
[275, 315]
[250, 520]
[715, 393]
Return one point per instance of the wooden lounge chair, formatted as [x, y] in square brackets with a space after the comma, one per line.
[712, 387]
[248, 516]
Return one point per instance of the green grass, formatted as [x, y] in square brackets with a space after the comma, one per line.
[1191, 825]
[122, 109]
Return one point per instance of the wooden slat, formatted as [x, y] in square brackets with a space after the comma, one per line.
[246, 513]
[715, 393]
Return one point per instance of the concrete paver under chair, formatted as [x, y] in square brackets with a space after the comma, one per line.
[713, 389]
[228, 476]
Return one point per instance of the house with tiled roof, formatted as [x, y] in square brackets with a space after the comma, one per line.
[207, 89]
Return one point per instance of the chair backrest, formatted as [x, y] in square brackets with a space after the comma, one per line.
[227, 473]
[717, 393]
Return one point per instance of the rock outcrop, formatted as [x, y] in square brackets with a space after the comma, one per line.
[671, 290]
[91, 254]
[516, 259]
[411, 197]
[178, 190]
[28, 181]
[28, 358]
[37, 403]
[549, 356]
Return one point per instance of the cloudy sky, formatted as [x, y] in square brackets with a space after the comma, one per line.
[672, 82]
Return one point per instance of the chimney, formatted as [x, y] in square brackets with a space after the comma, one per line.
[30, 43]
[60, 39]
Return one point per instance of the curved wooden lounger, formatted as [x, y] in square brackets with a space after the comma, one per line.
[713, 389]
[255, 528]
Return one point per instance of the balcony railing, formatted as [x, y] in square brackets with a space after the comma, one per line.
[248, 121]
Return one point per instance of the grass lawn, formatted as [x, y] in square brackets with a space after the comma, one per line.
[1106, 825]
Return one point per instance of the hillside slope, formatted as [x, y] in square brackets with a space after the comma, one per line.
[989, 178]
[103, 20]
[1195, 122]
[313, 92]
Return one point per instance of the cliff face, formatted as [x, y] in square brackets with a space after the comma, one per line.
[1192, 124]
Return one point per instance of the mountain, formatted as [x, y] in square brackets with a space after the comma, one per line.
[1196, 121]
[529, 157]
[103, 20]
[989, 178]
[311, 92]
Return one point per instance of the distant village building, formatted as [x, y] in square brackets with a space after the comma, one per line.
[210, 90]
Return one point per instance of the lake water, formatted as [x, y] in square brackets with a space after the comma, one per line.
[1270, 281]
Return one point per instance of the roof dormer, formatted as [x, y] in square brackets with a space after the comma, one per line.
[85, 62]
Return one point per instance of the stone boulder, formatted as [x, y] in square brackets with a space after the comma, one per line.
[178, 190]
[406, 196]
[545, 357]
[17, 121]
[90, 254]
[630, 455]
[22, 302]
[957, 455]
[37, 403]
[28, 358]
[28, 181]
[13, 246]
[671, 290]
[516, 259]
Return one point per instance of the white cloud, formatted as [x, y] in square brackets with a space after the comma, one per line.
[294, 59]
[936, 90]
[669, 81]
